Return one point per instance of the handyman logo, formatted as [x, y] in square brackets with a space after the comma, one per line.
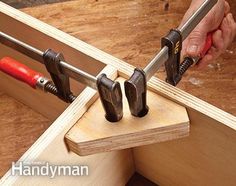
[45, 169]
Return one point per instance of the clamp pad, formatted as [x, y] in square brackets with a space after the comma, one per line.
[94, 134]
[111, 98]
[136, 93]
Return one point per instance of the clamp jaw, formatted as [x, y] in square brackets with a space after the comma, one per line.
[60, 72]
[174, 43]
[174, 69]
[136, 86]
[109, 91]
[60, 79]
[135, 91]
[111, 98]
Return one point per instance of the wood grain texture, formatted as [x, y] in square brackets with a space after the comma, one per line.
[206, 157]
[197, 109]
[94, 55]
[19, 129]
[131, 31]
[92, 134]
[25, 94]
[29, 3]
[50, 147]
[28, 36]
[52, 141]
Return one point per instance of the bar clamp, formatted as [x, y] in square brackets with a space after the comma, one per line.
[59, 78]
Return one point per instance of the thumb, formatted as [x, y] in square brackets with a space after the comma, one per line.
[196, 41]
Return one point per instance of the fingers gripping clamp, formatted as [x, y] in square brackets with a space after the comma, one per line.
[174, 43]
[60, 79]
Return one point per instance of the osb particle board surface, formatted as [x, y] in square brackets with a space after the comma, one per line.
[131, 30]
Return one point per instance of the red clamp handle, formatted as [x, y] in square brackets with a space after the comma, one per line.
[208, 44]
[19, 71]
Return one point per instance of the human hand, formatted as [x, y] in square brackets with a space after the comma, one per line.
[220, 22]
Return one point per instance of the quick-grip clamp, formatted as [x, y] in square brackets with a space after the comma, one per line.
[174, 43]
[60, 79]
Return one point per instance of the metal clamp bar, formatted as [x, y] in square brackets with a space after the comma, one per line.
[60, 71]
[156, 63]
[185, 30]
[196, 18]
[37, 55]
[21, 47]
[136, 85]
[79, 75]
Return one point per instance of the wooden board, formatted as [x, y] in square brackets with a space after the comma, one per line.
[50, 147]
[132, 31]
[56, 106]
[206, 157]
[201, 158]
[20, 127]
[96, 56]
[198, 110]
[28, 36]
[92, 134]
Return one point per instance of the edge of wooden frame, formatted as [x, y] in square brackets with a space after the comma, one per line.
[54, 135]
[92, 135]
[124, 70]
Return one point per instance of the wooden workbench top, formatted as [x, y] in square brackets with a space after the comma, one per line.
[131, 30]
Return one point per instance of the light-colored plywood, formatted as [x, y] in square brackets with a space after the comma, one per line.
[20, 127]
[211, 142]
[203, 158]
[92, 134]
[86, 52]
[50, 147]
[132, 31]
[25, 94]
[206, 157]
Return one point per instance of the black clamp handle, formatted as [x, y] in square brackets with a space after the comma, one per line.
[60, 79]
[174, 42]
